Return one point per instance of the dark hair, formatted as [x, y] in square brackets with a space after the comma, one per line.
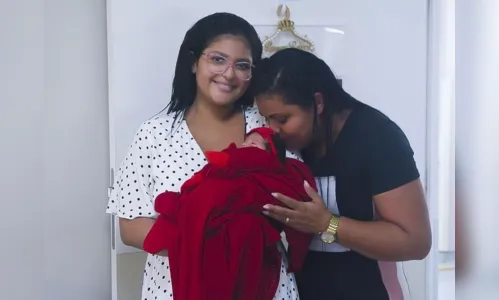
[280, 147]
[297, 75]
[197, 38]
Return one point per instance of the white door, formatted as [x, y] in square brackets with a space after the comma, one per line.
[378, 48]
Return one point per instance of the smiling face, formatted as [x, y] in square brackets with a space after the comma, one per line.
[223, 70]
[293, 123]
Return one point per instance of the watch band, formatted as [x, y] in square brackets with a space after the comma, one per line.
[333, 225]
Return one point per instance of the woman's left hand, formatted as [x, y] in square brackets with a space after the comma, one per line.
[308, 217]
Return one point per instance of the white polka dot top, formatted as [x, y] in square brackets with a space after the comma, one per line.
[162, 156]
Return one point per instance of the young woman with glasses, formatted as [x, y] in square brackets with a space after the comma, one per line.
[209, 109]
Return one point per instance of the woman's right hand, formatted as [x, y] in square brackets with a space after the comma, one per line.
[308, 217]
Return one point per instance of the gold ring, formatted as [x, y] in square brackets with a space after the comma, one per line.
[287, 220]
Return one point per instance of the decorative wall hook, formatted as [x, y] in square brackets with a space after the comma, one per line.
[286, 25]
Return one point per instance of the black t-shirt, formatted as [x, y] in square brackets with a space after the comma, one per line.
[370, 156]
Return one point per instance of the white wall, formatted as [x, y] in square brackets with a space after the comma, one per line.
[477, 147]
[20, 88]
[477, 142]
[54, 154]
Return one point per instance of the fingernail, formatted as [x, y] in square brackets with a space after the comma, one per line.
[266, 206]
[305, 183]
[274, 195]
[265, 213]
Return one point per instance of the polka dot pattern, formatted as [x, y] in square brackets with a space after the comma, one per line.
[164, 154]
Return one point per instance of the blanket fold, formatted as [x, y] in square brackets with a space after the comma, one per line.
[220, 245]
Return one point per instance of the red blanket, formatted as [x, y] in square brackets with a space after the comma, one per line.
[220, 245]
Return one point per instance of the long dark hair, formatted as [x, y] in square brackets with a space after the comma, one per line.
[297, 76]
[197, 38]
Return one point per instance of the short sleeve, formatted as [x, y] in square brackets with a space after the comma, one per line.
[390, 159]
[131, 196]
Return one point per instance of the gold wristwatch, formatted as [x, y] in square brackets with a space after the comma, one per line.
[329, 236]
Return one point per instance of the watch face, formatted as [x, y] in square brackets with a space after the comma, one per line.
[327, 238]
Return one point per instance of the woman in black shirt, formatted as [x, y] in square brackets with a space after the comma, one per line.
[371, 205]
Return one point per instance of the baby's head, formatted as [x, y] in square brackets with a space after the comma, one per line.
[264, 138]
[254, 139]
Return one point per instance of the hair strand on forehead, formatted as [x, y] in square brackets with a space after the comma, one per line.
[197, 38]
[297, 76]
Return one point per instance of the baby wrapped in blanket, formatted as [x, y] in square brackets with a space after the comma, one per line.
[220, 245]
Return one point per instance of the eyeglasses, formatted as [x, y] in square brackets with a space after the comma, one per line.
[219, 64]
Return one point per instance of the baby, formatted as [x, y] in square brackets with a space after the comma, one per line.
[215, 223]
[265, 139]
